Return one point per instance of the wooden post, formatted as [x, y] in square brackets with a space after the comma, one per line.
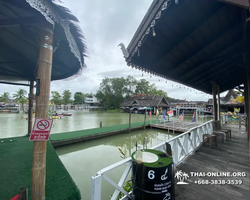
[129, 123]
[144, 125]
[215, 103]
[100, 124]
[42, 107]
[218, 93]
[248, 103]
[31, 100]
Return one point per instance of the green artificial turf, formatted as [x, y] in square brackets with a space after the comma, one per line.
[88, 132]
[15, 171]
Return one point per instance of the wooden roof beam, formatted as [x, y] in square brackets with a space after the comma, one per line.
[222, 34]
[239, 3]
[221, 59]
[185, 34]
[225, 78]
[219, 50]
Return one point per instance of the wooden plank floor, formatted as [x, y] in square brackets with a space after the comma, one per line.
[231, 156]
[177, 126]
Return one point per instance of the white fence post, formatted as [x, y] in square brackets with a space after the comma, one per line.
[96, 190]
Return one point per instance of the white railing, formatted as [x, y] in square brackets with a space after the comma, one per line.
[182, 146]
[241, 119]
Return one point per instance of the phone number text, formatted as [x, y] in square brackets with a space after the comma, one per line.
[218, 182]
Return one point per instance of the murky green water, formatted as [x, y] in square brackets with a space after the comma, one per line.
[84, 159]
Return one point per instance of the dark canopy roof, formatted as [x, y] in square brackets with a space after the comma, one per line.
[19, 44]
[196, 42]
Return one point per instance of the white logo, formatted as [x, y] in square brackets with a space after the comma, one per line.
[181, 176]
[164, 176]
[167, 197]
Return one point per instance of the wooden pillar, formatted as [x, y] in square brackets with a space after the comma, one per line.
[31, 100]
[129, 123]
[219, 116]
[42, 107]
[246, 100]
[215, 110]
[248, 103]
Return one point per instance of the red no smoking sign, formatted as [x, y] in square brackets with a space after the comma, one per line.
[43, 124]
[41, 129]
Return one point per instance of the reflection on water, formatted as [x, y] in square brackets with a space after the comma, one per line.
[83, 160]
[13, 125]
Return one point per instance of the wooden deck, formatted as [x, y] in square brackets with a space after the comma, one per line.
[230, 156]
[176, 126]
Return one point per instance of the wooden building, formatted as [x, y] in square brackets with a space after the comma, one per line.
[202, 44]
[140, 103]
[227, 104]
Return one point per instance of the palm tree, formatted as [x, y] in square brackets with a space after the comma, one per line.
[5, 97]
[19, 97]
[185, 176]
[178, 174]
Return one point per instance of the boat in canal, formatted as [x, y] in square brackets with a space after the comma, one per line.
[62, 114]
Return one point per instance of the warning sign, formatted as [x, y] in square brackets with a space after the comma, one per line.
[41, 129]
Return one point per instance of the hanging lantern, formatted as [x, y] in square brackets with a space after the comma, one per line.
[154, 34]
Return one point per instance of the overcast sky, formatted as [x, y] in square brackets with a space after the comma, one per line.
[105, 24]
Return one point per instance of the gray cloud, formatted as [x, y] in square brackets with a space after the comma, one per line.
[105, 24]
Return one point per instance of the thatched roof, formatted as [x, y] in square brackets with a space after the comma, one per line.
[145, 101]
[19, 44]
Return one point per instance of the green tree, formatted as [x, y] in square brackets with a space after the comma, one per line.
[143, 86]
[131, 83]
[56, 98]
[5, 97]
[112, 92]
[20, 97]
[78, 98]
[66, 97]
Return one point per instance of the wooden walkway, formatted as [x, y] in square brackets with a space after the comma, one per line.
[176, 125]
[231, 156]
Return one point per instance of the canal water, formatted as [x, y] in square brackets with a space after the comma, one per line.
[84, 159]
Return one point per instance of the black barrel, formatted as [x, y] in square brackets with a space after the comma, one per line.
[153, 180]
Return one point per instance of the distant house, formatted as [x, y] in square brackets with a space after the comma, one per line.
[184, 105]
[142, 102]
[92, 102]
[226, 102]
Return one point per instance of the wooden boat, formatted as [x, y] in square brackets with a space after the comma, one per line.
[61, 114]
[66, 114]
